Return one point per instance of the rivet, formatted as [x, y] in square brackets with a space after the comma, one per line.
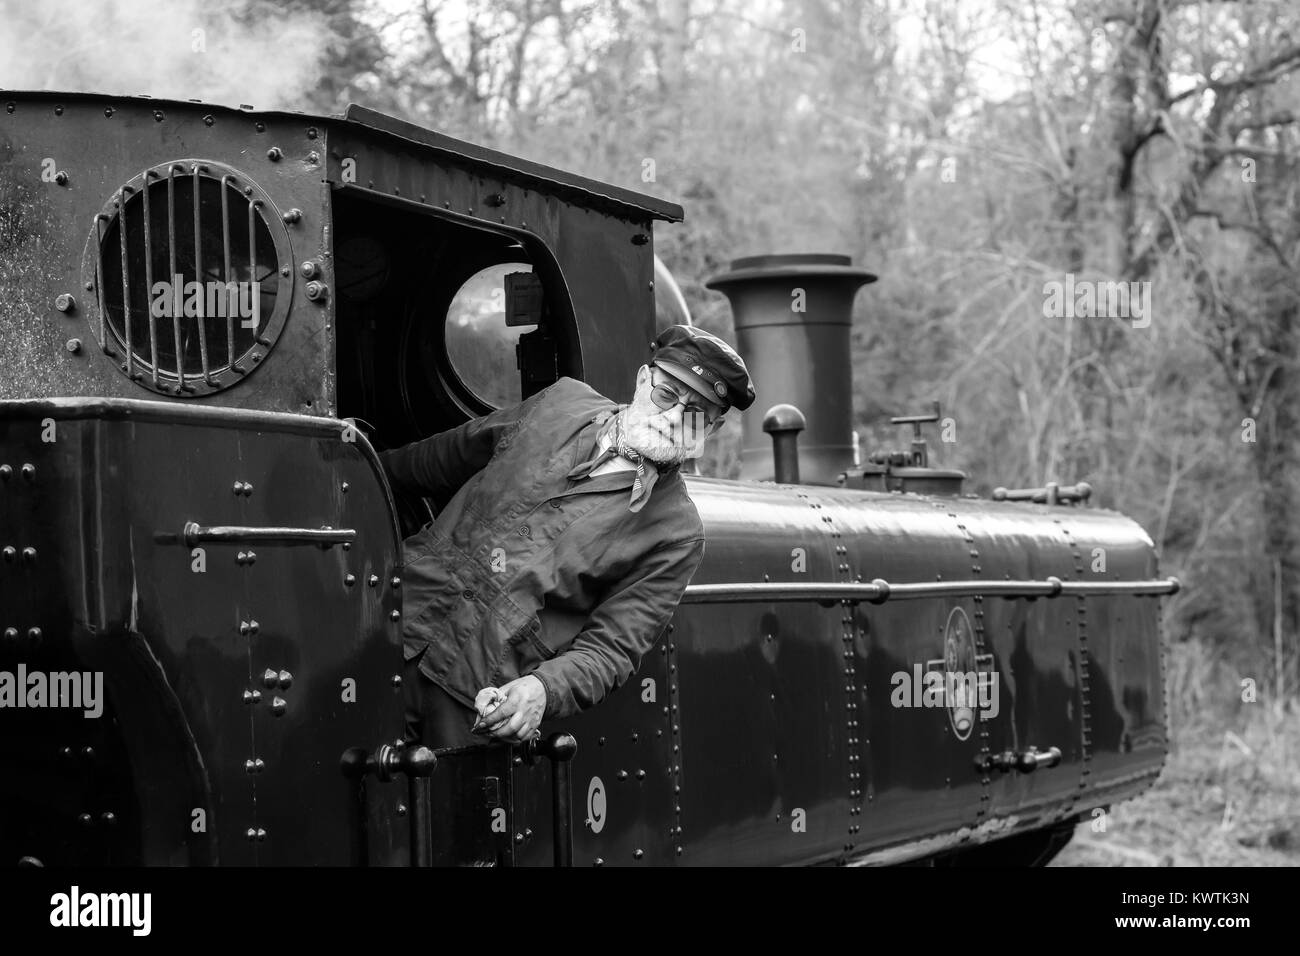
[251, 834]
[29, 471]
[73, 345]
[261, 834]
[286, 680]
[349, 579]
[84, 819]
[401, 809]
[292, 216]
[34, 635]
[274, 154]
[270, 679]
[395, 615]
[88, 753]
[640, 774]
[65, 302]
[622, 775]
[396, 582]
[519, 838]
[10, 553]
[251, 697]
[6, 472]
[11, 633]
[209, 120]
[278, 706]
[600, 741]
[598, 862]
[373, 580]
[637, 854]
[397, 680]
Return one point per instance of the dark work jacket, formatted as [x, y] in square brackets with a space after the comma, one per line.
[526, 571]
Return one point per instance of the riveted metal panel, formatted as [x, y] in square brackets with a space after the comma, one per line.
[172, 626]
[53, 218]
[764, 688]
[626, 775]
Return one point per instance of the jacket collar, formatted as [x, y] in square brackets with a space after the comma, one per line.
[585, 448]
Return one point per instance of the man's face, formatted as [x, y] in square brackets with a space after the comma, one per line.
[674, 434]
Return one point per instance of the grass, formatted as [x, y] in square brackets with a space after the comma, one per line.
[1229, 796]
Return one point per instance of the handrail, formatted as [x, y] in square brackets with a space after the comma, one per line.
[879, 590]
[236, 534]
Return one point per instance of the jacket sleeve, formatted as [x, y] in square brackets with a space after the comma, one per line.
[621, 630]
[437, 466]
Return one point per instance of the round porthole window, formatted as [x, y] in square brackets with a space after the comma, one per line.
[480, 346]
[190, 266]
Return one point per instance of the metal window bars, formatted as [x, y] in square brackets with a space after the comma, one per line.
[218, 365]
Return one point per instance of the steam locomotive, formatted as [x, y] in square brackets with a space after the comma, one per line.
[209, 322]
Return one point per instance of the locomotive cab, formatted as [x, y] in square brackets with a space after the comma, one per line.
[191, 311]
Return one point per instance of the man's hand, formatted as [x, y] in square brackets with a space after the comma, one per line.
[519, 715]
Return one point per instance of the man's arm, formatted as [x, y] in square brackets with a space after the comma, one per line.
[622, 628]
[437, 466]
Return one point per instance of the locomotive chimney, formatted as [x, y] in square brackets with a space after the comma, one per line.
[793, 314]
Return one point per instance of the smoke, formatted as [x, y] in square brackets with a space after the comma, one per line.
[220, 51]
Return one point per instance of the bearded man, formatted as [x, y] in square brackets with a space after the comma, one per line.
[564, 542]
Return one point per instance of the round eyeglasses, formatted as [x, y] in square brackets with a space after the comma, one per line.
[666, 397]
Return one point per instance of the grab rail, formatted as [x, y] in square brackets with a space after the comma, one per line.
[879, 590]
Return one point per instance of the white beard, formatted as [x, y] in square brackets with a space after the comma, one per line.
[654, 438]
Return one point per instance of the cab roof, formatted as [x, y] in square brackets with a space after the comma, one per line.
[538, 175]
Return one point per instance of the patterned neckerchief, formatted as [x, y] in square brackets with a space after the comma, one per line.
[647, 472]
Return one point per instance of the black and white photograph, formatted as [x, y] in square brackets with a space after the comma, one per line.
[649, 434]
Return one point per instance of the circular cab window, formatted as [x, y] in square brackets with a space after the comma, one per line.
[189, 264]
[480, 346]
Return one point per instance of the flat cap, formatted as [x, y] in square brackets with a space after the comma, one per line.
[705, 363]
